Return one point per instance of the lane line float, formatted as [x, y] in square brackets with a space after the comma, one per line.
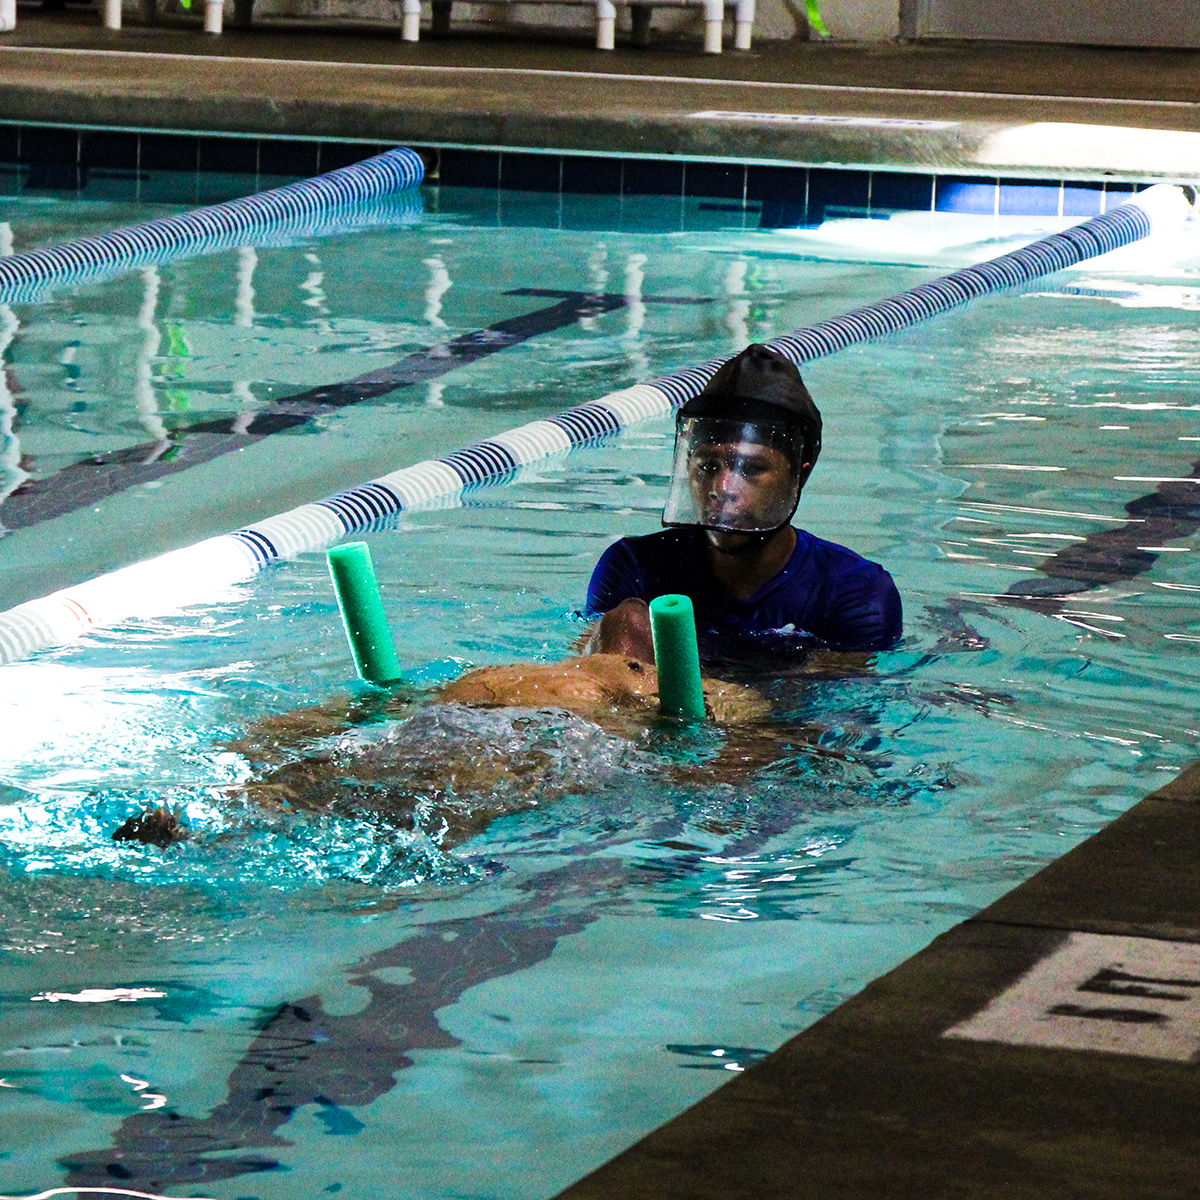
[172, 580]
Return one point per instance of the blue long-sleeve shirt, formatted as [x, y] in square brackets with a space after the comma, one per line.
[826, 594]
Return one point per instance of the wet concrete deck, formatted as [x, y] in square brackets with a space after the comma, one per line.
[997, 109]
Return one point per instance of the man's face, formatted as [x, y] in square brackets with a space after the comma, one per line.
[741, 485]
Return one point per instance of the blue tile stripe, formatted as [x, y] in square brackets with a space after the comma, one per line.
[206, 229]
[229, 559]
[61, 159]
[773, 196]
[777, 196]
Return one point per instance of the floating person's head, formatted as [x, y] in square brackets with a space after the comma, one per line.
[744, 447]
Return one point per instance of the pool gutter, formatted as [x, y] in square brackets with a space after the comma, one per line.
[531, 107]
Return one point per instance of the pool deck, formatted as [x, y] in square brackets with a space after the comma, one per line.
[1079, 1082]
[995, 109]
[875, 1102]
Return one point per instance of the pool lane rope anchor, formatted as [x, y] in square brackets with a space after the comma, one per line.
[172, 580]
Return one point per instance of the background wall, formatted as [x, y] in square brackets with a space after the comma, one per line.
[1165, 23]
[783, 20]
[1085, 22]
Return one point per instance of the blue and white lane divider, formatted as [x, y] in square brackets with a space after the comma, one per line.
[176, 579]
[394, 211]
[204, 230]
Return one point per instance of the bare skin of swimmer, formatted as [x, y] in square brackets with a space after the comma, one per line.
[595, 686]
[616, 692]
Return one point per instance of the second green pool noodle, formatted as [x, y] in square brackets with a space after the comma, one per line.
[367, 628]
[677, 657]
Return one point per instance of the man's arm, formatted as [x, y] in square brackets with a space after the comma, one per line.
[617, 577]
[868, 614]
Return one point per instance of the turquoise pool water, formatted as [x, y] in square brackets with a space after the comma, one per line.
[334, 1004]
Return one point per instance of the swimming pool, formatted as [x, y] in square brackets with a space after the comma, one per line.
[497, 1020]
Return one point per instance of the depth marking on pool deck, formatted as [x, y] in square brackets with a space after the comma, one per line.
[93, 479]
[1119, 995]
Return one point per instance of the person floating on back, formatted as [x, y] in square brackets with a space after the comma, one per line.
[744, 448]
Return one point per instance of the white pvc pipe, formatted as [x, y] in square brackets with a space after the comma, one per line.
[744, 23]
[8, 15]
[411, 29]
[714, 21]
[214, 13]
[606, 25]
[112, 14]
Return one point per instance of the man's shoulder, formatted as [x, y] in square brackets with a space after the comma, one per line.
[645, 567]
[852, 602]
[821, 553]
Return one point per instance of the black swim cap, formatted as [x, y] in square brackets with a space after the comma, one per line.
[758, 386]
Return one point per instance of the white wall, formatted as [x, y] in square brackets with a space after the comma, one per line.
[859, 20]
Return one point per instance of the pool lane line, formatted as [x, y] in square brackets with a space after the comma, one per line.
[217, 226]
[839, 89]
[1170, 512]
[174, 579]
[94, 479]
[302, 1056]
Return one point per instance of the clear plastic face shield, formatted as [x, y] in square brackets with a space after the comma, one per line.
[733, 476]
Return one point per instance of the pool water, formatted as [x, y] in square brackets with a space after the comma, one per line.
[292, 1004]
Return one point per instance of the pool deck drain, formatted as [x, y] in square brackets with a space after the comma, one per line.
[1044, 1048]
[1002, 110]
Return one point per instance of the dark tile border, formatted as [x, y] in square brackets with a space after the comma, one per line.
[769, 197]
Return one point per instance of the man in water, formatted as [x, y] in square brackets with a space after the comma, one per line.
[744, 448]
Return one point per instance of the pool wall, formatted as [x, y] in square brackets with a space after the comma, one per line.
[681, 113]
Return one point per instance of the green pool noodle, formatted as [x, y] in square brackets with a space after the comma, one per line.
[366, 623]
[676, 656]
